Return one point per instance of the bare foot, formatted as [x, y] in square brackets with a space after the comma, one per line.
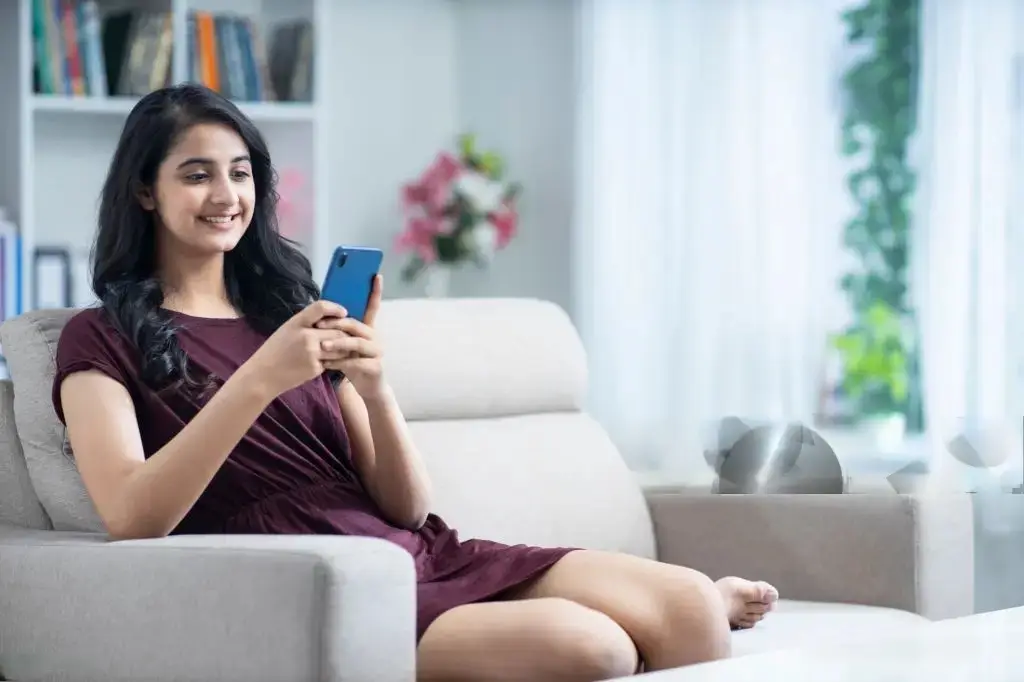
[748, 602]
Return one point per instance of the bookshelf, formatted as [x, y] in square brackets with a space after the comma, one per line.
[71, 98]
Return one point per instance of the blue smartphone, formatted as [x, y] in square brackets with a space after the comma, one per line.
[349, 280]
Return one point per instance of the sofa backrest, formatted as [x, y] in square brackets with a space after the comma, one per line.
[493, 390]
[19, 505]
[30, 345]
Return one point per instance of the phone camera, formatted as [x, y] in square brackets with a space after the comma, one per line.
[342, 259]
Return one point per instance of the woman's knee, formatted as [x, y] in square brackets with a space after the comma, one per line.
[587, 644]
[690, 616]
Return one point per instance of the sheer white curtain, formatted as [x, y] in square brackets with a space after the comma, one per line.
[708, 215]
[967, 228]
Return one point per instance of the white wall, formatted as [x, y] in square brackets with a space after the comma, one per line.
[393, 91]
[516, 78]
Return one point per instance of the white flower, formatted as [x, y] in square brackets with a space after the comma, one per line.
[483, 194]
[485, 239]
[481, 239]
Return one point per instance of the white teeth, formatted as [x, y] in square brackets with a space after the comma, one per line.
[218, 219]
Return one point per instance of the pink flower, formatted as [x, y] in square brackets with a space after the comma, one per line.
[292, 214]
[419, 236]
[505, 221]
[413, 196]
[444, 169]
[433, 191]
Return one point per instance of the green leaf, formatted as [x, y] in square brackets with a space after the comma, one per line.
[467, 146]
[851, 145]
[492, 165]
[900, 388]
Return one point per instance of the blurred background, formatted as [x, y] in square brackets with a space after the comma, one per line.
[768, 209]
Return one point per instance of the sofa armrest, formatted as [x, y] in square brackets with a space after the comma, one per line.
[213, 608]
[912, 553]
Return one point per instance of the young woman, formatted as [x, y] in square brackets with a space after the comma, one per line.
[212, 392]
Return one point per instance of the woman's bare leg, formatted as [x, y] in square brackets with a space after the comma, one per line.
[676, 616]
[536, 640]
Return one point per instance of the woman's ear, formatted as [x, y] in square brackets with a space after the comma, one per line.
[146, 199]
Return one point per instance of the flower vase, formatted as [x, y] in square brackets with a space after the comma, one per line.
[438, 281]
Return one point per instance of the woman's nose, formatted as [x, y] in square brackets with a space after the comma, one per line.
[223, 192]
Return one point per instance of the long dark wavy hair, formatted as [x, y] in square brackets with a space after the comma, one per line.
[268, 279]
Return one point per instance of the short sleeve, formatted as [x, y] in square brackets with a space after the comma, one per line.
[89, 342]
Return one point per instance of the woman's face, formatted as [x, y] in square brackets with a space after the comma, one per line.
[204, 192]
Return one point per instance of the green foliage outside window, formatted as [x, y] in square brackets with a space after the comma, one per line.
[880, 88]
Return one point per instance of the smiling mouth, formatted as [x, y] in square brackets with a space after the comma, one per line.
[218, 219]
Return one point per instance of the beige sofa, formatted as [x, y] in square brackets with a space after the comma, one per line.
[494, 393]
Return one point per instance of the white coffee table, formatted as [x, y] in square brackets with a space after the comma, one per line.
[983, 648]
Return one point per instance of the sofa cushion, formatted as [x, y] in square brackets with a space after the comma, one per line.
[807, 624]
[493, 390]
[19, 504]
[30, 345]
[473, 358]
[541, 479]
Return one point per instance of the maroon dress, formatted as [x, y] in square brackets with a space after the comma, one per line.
[292, 472]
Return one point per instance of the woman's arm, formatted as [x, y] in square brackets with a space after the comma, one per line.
[138, 497]
[146, 498]
[384, 455]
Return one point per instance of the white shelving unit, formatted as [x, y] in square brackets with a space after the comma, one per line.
[56, 149]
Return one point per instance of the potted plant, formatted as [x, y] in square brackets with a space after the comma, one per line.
[462, 210]
[876, 372]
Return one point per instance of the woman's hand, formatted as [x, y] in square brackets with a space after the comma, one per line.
[295, 353]
[357, 353]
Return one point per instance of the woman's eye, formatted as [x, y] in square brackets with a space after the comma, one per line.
[241, 175]
[195, 177]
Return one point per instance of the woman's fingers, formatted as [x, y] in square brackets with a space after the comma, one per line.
[353, 366]
[344, 346]
[376, 293]
[349, 325]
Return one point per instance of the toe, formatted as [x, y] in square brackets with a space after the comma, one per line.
[768, 593]
[742, 590]
[748, 591]
[749, 620]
